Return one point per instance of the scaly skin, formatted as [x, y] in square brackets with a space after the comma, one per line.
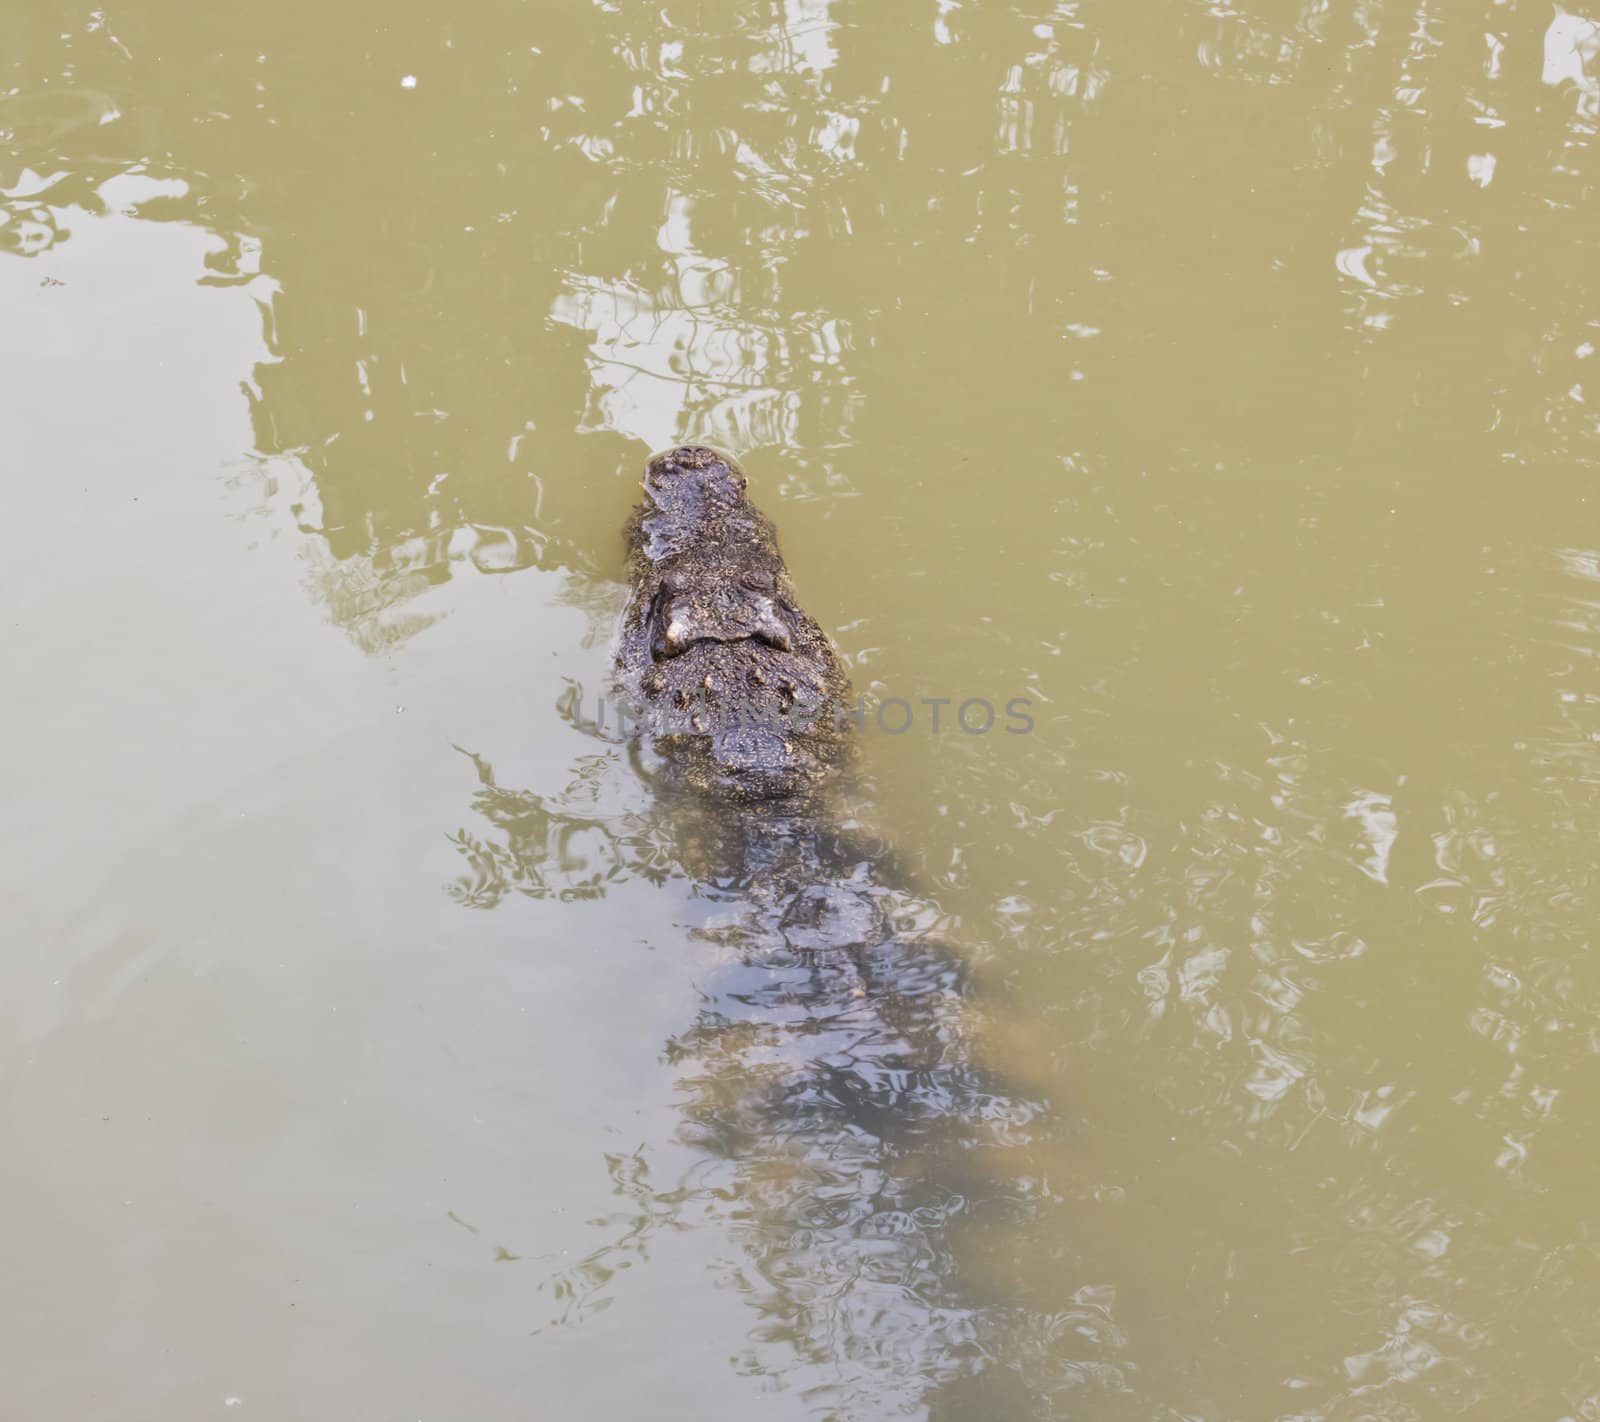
[742, 691]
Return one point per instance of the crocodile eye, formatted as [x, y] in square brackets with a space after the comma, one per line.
[771, 629]
[758, 582]
[676, 638]
[665, 627]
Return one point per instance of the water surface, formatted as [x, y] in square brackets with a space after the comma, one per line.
[1218, 377]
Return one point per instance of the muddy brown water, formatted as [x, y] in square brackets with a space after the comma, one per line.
[1219, 378]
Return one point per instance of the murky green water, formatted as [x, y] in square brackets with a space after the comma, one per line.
[1219, 378]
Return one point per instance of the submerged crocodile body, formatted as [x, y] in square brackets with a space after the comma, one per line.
[832, 1063]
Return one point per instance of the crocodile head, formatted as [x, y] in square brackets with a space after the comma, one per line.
[740, 688]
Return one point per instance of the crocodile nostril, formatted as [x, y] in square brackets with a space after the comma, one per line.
[694, 456]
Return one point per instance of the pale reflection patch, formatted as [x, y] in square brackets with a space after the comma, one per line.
[686, 359]
[1374, 812]
[1571, 46]
[807, 32]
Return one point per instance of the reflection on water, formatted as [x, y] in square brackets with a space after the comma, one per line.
[1221, 375]
[685, 362]
[850, 1141]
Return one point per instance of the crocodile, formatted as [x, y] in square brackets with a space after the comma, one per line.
[832, 1079]
[834, 1062]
